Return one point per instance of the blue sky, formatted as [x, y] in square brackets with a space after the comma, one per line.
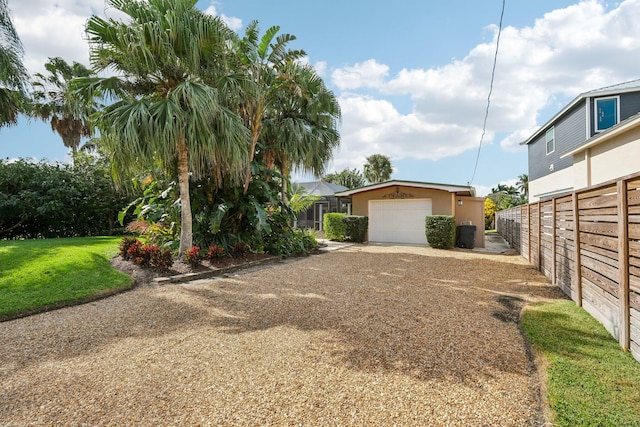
[412, 77]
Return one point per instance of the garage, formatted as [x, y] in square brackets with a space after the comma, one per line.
[397, 209]
[398, 221]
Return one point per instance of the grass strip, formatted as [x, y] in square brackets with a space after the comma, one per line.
[590, 380]
[39, 274]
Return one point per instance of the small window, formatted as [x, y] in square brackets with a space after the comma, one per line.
[607, 113]
[551, 140]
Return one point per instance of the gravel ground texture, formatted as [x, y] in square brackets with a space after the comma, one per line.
[366, 335]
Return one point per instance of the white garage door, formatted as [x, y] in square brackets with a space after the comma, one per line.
[398, 221]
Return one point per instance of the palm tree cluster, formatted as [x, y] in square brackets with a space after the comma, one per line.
[174, 94]
[377, 169]
[189, 96]
[506, 196]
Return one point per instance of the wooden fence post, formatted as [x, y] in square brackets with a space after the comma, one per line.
[553, 241]
[539, 238]
[576, 240]
[623, 264]
[529, 232]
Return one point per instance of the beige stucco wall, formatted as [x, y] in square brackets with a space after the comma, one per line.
[472, 211]
[442, 203]
[608, 160]
[562, 179]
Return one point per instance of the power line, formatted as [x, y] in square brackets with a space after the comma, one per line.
[493, 74]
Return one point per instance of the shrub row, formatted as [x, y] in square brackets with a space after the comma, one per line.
[57, 200]
[340, 227]
[132, 249]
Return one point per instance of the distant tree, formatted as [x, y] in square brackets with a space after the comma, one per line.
[506, 196]
[55, 102]
[13, 75]
[523, 186]
[378, 168]
[350, 178]
[490, 209]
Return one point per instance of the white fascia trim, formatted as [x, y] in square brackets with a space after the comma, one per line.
[446, 187]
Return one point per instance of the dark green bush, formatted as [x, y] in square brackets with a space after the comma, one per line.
[357, 227]
[334, 226]
[57, 200]
[441, 231]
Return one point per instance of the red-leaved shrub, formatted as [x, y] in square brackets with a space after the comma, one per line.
[240, 249]
[192, 256]
[215, 253]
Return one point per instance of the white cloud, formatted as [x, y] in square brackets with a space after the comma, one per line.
[52, 29]
[49, 29]
[566, 52]
[368, 74]
[232, 22]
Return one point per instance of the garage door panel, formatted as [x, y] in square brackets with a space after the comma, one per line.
[398, 221]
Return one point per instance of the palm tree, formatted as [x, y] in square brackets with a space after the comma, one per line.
[13, 75]
[300, 130]
[54, 101]
[169, 95]
[523, 186]
[350, 178]
[262, 58]
[378, 168]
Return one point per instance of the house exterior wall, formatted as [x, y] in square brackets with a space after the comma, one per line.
[442, 203]
[570, 130]
[608, 160]
[559, 181]
[629, 106]
[472, 213]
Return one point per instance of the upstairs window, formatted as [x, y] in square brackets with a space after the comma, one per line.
[551, 141]
[607, 112]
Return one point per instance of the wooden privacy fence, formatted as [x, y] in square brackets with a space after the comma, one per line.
[588, 244]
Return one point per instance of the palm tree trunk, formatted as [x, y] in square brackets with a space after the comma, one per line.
[285, 178]
[186, 226]
[256, 128]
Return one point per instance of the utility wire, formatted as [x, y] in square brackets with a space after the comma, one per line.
[493, 74]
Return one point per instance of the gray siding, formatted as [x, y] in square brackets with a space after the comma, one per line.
[570, 130]
[629, 106]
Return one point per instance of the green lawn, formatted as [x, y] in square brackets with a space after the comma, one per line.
[38, 274]
[590, 380]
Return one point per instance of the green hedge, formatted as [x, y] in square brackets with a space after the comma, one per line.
[334, 226]
[441, 231]
[356, 227]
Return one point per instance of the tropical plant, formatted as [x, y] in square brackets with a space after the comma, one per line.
[169, 95]
[523, 186]
[55, 102]
[300, 130]
[377, 168]
[350, 178]
[13, 75]
[262, 58]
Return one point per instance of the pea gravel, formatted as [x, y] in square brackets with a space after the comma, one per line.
[366, 335]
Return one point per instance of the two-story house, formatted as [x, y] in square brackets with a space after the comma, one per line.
[595, 138]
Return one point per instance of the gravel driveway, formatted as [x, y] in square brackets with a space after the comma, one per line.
[366, 335]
